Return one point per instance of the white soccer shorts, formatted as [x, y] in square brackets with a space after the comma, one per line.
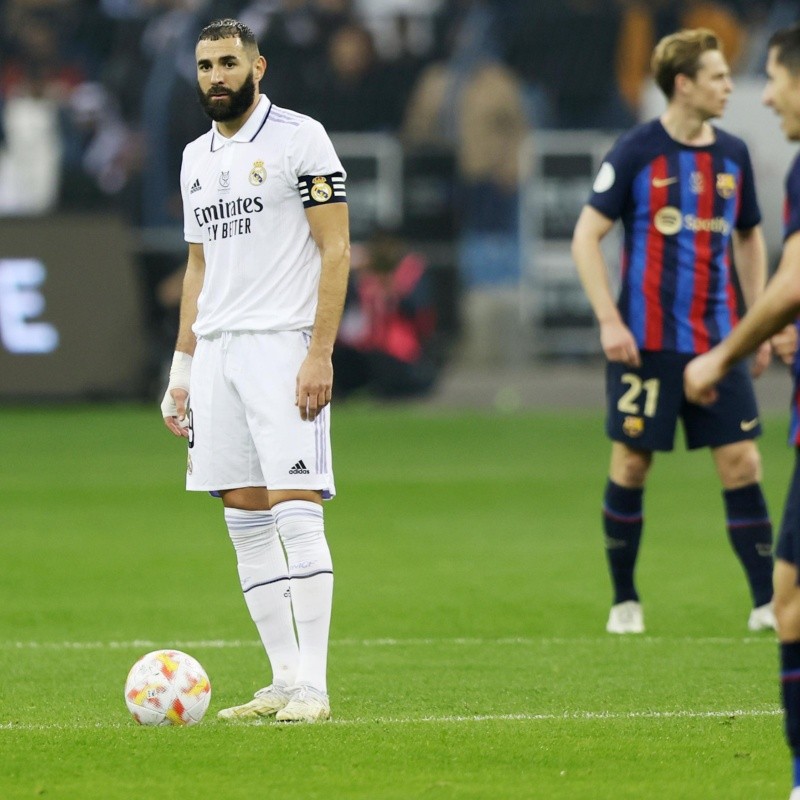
[245, 427]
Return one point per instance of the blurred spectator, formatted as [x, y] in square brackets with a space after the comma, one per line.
[354, 90]
[100, 152]
[333, 13]
[474, 103]
[386, 338]
[761, 18]
[565, 53]
[406, 32]
[170, 115]
[294, 40]
[36, 81]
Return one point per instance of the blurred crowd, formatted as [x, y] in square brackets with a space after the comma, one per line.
[97, 98]
[97, 101]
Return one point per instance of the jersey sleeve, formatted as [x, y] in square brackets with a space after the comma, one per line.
[192, 232]
[612, 184]
[314, 166]
[749, 214]
[791, 207]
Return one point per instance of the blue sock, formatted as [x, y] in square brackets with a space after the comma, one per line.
[622, 524]
[790, 690]
[750, 534]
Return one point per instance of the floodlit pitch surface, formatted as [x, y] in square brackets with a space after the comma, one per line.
[468, 657]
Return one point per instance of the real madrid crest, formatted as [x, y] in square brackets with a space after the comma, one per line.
[726, 185]
[321, 190]
[258, 174]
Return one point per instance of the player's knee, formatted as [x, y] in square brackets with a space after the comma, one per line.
[250, 531]
[246, 498]
[299, 522]
[741, 467]
[787, 615]
[751, 466]
[630, 470]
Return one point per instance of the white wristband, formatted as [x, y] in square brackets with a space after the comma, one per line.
[179, 378]
[180, 372]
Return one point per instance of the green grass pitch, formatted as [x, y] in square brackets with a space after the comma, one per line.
[468, 656]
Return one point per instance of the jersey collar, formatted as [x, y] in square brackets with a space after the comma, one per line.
[248, 131]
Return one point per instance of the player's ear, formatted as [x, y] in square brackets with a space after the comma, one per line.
[682, 82]
[259, 68]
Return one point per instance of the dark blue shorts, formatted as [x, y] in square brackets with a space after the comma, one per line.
[645, 403]
[788, 548]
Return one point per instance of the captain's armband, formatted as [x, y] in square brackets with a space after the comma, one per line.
[319, 190]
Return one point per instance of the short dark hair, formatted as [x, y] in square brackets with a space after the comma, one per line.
[229, 29]
[787, 47]
[679, 54]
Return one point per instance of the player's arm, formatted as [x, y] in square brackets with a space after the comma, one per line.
[784, 344]
[750, 257]
[777, 306]
[331, 231]
[615, 337]
[173, 407]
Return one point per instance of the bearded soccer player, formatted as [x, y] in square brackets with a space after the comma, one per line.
[684, 191]
[776, 308]
[266, 221]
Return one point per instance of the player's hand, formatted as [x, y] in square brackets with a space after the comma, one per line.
[784, 344]
[174, 406]
[701, 376]
[314, 386]
[761, 360]
[619, 344]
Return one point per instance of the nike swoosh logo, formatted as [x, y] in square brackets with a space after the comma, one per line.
[748, 424]
[660, 183]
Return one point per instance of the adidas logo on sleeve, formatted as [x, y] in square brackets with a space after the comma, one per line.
[299, 469]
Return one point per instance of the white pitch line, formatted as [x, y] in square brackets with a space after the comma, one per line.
[569, 715]
[447, 719]
[233, 644]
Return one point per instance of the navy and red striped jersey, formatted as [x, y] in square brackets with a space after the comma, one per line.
[791, 226]
[679, 206]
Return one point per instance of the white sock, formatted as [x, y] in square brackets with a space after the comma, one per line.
[265, 584]
[302, 530]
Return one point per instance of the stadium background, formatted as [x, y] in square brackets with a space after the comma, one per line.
[471, 128]
[468, 657]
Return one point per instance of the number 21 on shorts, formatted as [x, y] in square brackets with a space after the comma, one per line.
[631, 400]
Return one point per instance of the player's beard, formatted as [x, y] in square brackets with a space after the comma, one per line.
[239, 101]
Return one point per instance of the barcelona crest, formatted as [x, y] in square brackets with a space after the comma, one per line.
[633, 426]
[726, 185]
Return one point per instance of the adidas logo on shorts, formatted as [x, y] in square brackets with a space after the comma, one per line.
[299, 469]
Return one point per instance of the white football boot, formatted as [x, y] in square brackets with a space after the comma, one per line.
[307, 704]
[795, 795]
[265, 703]
[762, 618]
[626, 617]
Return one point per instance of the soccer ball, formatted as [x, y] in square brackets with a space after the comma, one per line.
[167, 687]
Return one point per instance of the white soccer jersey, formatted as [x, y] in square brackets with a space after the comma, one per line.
[244, 199]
